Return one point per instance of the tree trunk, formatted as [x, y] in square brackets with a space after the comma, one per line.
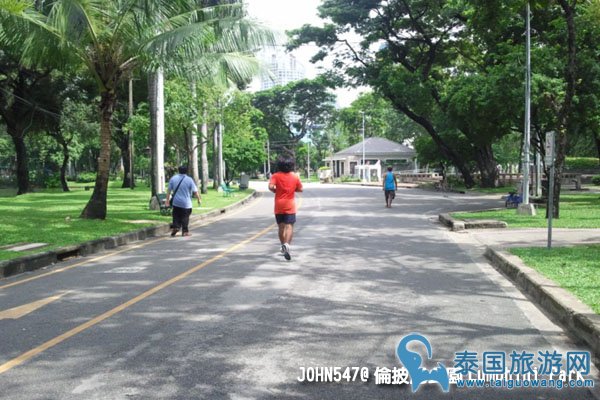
[216, 168]
[21, 159]
[157, 130]
[597, 140]
[124, 146]
[565, 115]
[194, 139]
[63, 167]
[446, 150]
[129, 176]
[96, 206]
[204, 151]
[220, 156]
[487, 166]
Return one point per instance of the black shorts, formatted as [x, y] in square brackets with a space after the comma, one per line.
[390, 193]
[285, 218]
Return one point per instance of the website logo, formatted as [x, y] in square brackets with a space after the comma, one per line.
[412, 362]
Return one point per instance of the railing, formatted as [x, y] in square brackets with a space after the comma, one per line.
[408, 177]
[503, 179]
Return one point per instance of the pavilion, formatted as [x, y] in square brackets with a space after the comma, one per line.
[379, 153]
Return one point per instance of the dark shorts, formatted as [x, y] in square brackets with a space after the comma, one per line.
[285, 218]
[390, 193]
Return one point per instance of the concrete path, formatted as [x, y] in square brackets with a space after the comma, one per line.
[505, 238]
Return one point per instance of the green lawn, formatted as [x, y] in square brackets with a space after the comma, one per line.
[576, 211]
[576, 269]
[52, 216]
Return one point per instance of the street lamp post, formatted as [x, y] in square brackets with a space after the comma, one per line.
[130, 135]
[525, 207]
[308, 161]
[364, 171]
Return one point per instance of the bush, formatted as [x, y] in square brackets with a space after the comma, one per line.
[596, 180]
[582, 164]
[52, 181]
[86, 177]
[350, 179]
[454, 181]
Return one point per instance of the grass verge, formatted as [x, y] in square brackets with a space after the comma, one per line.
[576, 269]
[576, 211]
[52, 216]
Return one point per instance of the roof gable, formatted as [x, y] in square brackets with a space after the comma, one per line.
[377, 145]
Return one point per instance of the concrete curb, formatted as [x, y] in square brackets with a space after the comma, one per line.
[41, 260]
[454, 224]
[579, 319]
[460, 225]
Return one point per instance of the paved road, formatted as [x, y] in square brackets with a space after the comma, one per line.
[221, 315]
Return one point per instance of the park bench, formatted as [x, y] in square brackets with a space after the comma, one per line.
[227, 191]
[162, 199]
[513, 200]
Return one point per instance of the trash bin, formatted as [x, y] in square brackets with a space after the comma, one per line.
[244, 180]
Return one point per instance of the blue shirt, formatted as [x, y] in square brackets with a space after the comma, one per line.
[389, 181]
[183, 197]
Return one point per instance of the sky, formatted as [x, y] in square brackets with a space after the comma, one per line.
[282, 15]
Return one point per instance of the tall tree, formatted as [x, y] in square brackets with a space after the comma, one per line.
[243, 141]
[112, 38]
[223, 57]
[416, 54]
[382, 120]
[292, 111]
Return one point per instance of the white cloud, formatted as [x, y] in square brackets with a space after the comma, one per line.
[284, 14]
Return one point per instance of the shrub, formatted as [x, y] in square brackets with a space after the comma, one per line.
[52, 181]
[8, 181]
[454, 180]
[596, 180]
[582, 163]
[86, 177]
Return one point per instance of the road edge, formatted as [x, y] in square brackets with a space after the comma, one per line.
[578, 318]
[33, 262]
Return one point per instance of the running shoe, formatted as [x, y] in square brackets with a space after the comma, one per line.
[286, 252]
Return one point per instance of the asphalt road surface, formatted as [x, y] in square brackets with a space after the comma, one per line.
[222, 315]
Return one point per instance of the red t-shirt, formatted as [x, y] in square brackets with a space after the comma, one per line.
[286, 184]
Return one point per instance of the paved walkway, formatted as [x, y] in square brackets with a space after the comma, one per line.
[534, 237]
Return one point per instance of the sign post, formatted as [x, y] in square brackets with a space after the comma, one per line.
[550, 165]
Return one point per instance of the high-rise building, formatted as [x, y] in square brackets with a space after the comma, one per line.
[283, 68]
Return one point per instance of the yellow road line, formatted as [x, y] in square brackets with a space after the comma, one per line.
[21, 311]
[61, 338]
[112, 253]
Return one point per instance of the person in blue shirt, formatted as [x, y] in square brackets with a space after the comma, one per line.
[181, 188]
[389, 187]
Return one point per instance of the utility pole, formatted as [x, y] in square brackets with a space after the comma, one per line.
[525, 207]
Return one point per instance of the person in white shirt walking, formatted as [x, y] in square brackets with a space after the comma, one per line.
[179, 195]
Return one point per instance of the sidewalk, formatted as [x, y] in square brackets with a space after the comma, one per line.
[534, 237]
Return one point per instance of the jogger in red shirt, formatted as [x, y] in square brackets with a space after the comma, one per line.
[285, 184]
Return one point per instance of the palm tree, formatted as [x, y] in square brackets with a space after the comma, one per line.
[226, 60]
[110, 39]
